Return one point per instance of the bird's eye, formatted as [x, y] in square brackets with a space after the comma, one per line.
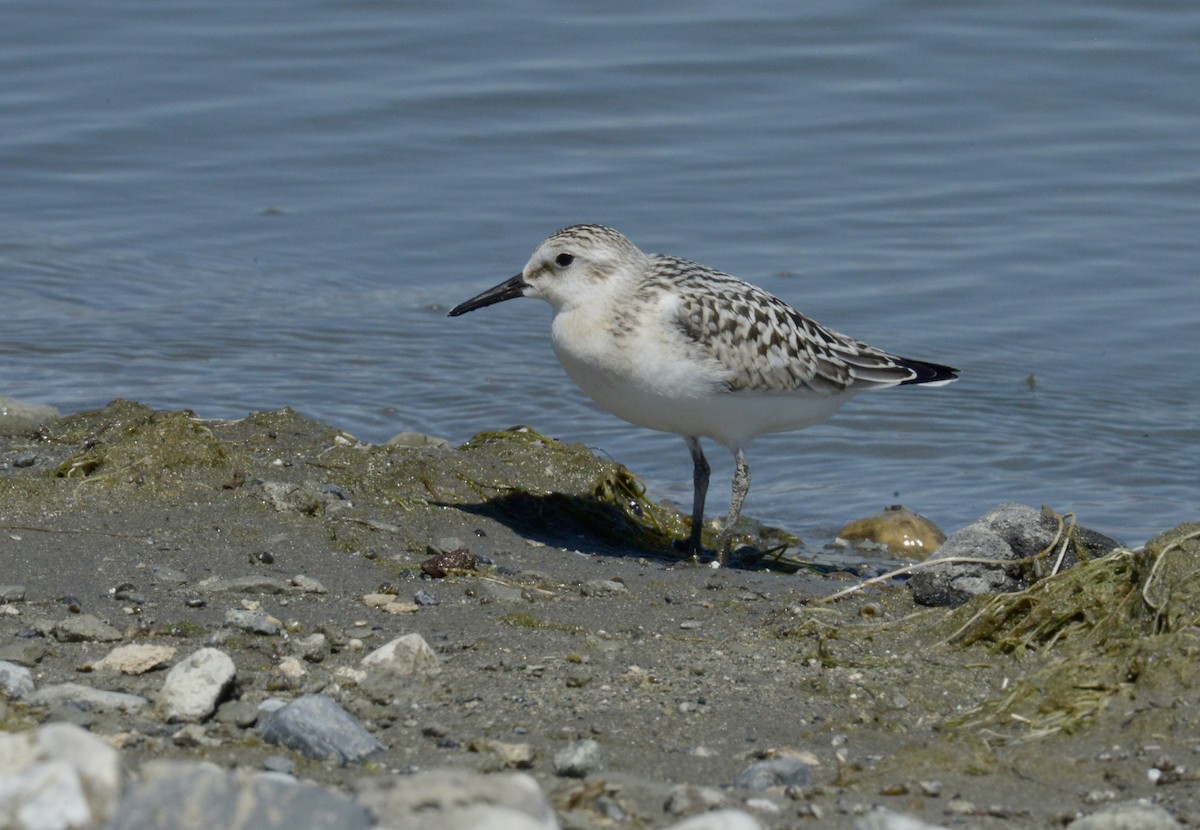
[563, 260]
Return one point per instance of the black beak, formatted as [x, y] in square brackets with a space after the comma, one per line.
[507, 290]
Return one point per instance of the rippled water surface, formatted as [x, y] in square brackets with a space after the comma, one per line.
[237, 206]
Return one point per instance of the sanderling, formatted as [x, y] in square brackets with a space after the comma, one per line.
[675, 346]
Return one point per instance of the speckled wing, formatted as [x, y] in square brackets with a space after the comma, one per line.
[766, 345]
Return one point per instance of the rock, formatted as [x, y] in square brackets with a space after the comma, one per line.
[719, 820]
[86, 698]
[778, 772]
[195, 685]
[898, 529]
[691, 799]
[881, 819]
[1127, 815]
[316, 726]
[1008, 533]
[578, 760]
[602, 587]
[457, 799]
[15, 681]
[308, 585]
[85, 628]
[27, 652]
[17, 417]
[517, 756]
[135, 658]
[403, 657]
[198, 796]
[256, 622]
[12, 593]
[59, 776]
[389, 603]
[244, 585]
[418, 439]
[314, 648]
[309, 498]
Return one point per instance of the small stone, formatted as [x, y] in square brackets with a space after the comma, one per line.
[244, 585]
[578, 760]
[602, 587]
[512, 755]
[280, 764]
[882, 819]
[24, 652]
[1140, 814]
[86, 698]
[316, 726]
[418, 439]
[898, 529]
[779, 772]
[15, 681]
[403, 657]
[719, 820]
[240, 713]
[314, 648]
[308, 585]
[18, 417]
[256, 622]
[59, 776]
[195, 685]
[692, 799]
[424, 597]
[443, 562]
[459, 799]
[134, 659]
[12, 593]
[85, 628]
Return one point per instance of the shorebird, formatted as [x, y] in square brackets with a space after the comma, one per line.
[672, 345]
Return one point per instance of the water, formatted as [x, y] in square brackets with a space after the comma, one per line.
[230, 206]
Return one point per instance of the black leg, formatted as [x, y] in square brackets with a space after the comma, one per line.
[699, 492]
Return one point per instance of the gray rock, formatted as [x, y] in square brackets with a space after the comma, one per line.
[1127, 815]
[18, 417]
[719, 820]
[12, 593]
[602, 587]
[15, 681]
[309, 585]
[168, 576]
[1008, 533]
[418, 439]
[579, 760]
[778, 772]
[403, 657]
[85, 628]
[244, 585]
[195, 685]
[457, 799]
[24, 652]
[59, 776]
[195, 796]
[314, 648]
[691, 799]
[881, 819]
[256, 622]
[87, 698]
[316, 726]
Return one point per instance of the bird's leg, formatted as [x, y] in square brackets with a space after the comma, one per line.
[741, 486]
[699, 492]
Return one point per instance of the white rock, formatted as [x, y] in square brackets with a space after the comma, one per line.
[136, 658]
[457, 799]
[195, 686]
[719, 820]
[97, 700]
[59, 777]
[881, 819]
[15, 681]
[404, 657]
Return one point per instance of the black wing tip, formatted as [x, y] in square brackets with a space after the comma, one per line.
[927, 372]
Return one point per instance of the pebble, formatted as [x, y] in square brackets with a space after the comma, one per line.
[12, 593]
[898, 529]
[244, 585]
[513, 755]
[316, 726]
[255, 622]
[1125, 815]
[690, 799]
[778, 772]
[21, 416]
[719, 820]
[85, 628]
[458, 799]
[195, 685]
[578, 760]
[602, 587]
[86, 697]
[881, 819]
[27, 652]
[134, 659]
[403, 657]
[314, 648]
[198, 796]
[15, 681]
[308, 585]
